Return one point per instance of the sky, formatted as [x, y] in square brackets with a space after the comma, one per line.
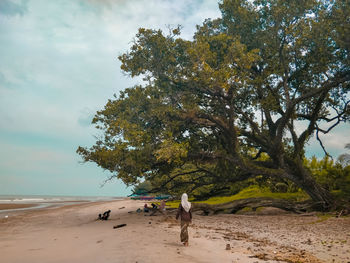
[58, 66]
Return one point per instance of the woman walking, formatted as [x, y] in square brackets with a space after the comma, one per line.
[185, 214]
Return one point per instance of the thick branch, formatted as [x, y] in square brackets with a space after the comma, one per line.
[314, 117]
[235, 206]
[321, 143]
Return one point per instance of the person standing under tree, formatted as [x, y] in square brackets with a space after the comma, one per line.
[185, 213]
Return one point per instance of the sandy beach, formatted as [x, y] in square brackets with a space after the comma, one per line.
[15, 206]
[73, 234]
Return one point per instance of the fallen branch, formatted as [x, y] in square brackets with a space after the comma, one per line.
[118, 226]
[254, 203]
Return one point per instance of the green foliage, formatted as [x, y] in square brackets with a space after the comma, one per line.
[142, 188]
[252, 191]
[277, 185]
[241, 86]
[171, 151]
[331, 175]
[255, 191]
[344, 158]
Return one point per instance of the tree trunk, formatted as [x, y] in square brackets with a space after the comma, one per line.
[321, 197]
[318, 194]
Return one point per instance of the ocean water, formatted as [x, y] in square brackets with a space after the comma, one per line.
[48, 201]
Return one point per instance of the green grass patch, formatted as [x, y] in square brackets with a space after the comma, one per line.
[173, 204]
[245, 210]
[322, 218]
[256, 191]
[249, 192]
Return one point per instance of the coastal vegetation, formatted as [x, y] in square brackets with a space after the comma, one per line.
[236, 105]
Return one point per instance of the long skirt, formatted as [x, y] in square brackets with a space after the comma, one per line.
[184, 231]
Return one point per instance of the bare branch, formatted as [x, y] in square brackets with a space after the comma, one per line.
[323, 148]
[314, 116]
[340, 78]
[172, 178]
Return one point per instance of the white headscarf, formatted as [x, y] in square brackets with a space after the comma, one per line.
[184, 202]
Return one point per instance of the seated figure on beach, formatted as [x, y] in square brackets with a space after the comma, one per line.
[162, 206]
[160, 209]
[145, 208]
[155, 209]
[105, 215]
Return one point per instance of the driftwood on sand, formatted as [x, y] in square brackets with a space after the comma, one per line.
[119, 226]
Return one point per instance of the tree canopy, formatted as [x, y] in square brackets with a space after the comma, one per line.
[239, 100]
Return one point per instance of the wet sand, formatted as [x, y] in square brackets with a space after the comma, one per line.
[73, 234]
[15, 206]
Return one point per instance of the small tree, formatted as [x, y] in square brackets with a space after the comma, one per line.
[344, 158]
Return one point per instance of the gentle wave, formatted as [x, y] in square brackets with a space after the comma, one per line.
[48, 201]
[8, 198]
[27, 200]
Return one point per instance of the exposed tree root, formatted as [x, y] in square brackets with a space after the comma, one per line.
[254, 203]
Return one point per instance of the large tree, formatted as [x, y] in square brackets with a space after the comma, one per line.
[239, 100]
